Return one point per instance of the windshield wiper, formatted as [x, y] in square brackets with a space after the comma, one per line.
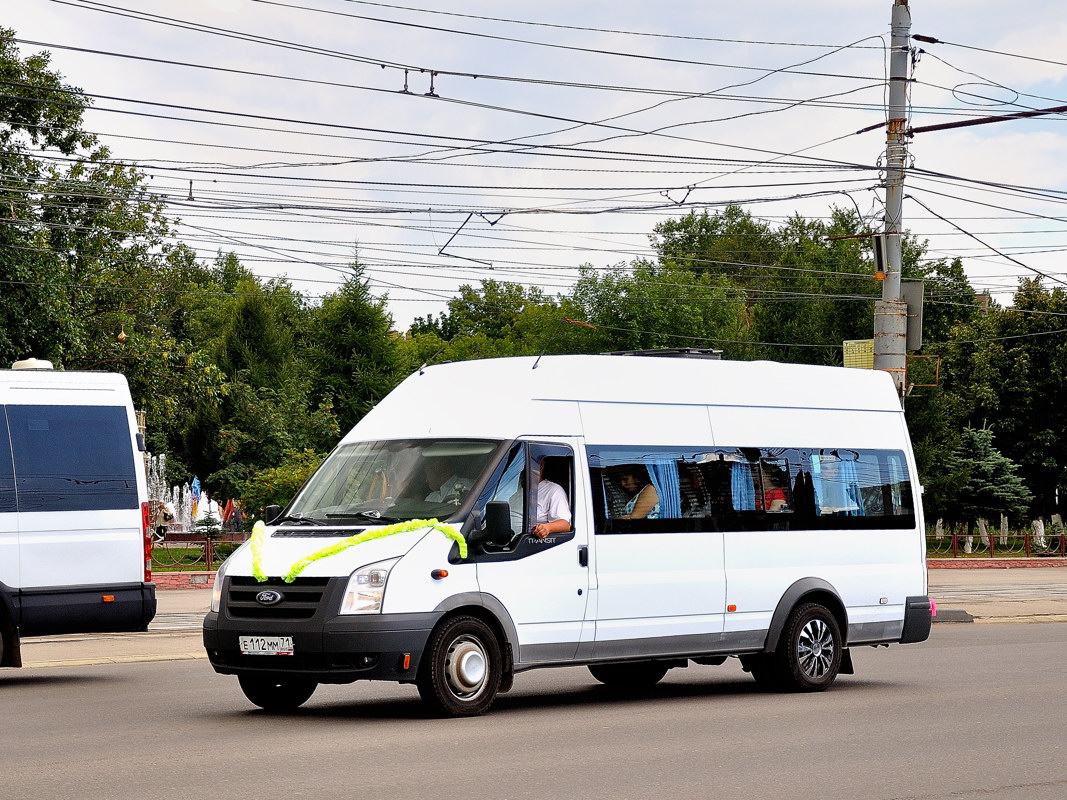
[372, 515]
[299, 519]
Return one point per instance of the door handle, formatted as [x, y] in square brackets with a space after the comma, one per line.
[583, 555]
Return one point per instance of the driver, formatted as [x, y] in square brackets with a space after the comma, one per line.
[444, 482]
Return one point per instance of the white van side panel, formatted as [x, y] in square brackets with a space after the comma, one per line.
[654, 586]
[761, 426]
[872, 571]
[645, 423]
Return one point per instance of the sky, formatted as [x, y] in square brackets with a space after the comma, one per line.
[447, 143]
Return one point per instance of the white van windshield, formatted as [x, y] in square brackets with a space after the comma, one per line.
[394, 481]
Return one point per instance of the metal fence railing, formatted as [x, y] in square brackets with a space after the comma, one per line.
[180, 551]
[996, 544]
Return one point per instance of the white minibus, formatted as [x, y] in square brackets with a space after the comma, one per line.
[629, 513]
[75, 547]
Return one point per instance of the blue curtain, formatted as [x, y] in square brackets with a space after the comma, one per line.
[851, 483]
[741, 488]
[836, 484]
[664, 476]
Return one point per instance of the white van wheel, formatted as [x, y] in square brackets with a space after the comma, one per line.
[461, 670]
[809, 653]
[276, 694]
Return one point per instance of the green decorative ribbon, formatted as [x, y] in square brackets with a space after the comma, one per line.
[259, 536]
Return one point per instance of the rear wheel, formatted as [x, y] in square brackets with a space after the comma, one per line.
[637, 675]
[277, 694]
[461, 671]
[808, 657]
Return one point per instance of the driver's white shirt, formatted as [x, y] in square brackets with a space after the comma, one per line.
[552, 502]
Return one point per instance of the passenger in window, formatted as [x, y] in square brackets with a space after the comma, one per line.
[445, 484]
[643, 500]
[553, 507]
[774, 499]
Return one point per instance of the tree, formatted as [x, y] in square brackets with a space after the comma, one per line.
[649, 305]
[352, 350]
[264, 407]
[277, 485]
[81, 234]
[1031, 369]
[492, 320]
[985, 482]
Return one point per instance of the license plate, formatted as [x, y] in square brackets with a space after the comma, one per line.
[266, 645]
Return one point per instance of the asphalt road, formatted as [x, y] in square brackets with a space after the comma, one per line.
[976, 713]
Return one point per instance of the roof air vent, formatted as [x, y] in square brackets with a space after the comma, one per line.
[32, 363]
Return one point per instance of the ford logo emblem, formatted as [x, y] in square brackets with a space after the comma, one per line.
[269, 597]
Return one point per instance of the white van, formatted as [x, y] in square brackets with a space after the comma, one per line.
[780, 523]
[75, 548]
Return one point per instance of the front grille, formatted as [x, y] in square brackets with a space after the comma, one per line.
[300, 599]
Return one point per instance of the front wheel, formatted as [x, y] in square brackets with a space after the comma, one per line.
[462, 669]
[277, 694]
[808, 657]
[636, 675]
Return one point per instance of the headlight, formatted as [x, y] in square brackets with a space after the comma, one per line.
[216, 588]
[366, 588]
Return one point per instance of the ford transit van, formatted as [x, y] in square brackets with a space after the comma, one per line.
[710, 509]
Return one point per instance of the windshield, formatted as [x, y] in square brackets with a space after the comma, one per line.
[394, 481]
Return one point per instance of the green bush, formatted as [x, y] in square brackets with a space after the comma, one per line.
[278, 485]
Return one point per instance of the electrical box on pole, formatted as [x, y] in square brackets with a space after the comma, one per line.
[912, 292]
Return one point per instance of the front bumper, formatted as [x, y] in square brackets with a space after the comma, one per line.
[327, 648]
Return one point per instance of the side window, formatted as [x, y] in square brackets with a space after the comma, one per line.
[7, 474]
[537, 482]
[646, 490]
[72, 458]
[510, 489]
[669, 490]
[861, 483]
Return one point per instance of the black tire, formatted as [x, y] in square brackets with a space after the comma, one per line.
[808, 656]
[635, 675]
[461, 670]
[277, 694]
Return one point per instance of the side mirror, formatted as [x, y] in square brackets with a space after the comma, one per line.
[497, 522]
[271, 513]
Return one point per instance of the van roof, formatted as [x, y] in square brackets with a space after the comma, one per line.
[496, 395]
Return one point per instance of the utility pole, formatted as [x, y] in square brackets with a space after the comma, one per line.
[891, 312]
